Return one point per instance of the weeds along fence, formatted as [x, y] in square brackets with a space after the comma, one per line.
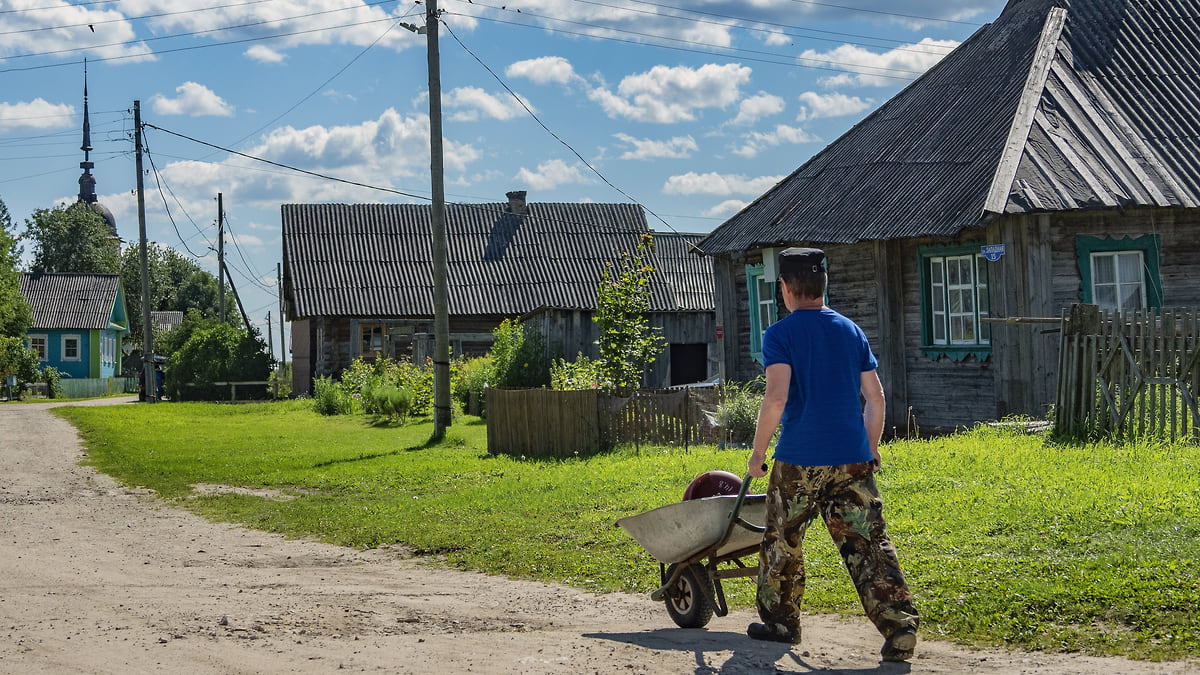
[1129, 375]
[549, 423]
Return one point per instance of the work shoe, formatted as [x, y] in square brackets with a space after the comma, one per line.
[775, 632]
[899, 647]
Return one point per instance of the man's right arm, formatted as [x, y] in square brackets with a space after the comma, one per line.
[873, 412]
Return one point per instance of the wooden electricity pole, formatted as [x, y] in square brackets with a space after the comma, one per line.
[441, 292]
[149, 379]
[221, 256]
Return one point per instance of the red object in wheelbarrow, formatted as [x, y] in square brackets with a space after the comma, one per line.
[691, 540]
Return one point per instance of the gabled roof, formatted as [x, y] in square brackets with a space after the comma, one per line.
[375, 260]
[1057, 105]
[73, 301]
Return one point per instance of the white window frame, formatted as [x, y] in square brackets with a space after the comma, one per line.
[44, 352]
[760, 307]
[953, 323]
[1119, 283]
[78, 347]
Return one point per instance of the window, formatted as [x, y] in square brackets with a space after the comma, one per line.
[371, 335]
[762, 307]
[1119, 274]
[70, 348]
[38, 344]
[954, 301]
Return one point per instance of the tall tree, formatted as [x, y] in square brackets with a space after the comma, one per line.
[72, 239]
[15, 317]
[176, 284]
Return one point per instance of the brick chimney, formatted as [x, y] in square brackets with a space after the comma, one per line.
[516, 202]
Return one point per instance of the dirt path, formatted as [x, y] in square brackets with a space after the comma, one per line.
[96, 578]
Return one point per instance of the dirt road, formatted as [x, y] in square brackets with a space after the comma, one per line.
[99, 578]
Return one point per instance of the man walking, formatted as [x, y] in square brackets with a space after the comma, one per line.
[818, 363]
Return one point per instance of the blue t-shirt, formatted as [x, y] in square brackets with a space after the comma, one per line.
[822, 421]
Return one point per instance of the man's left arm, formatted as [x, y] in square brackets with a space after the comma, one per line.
[873, 412]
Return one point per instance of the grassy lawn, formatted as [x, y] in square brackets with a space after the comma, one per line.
[1006, 538]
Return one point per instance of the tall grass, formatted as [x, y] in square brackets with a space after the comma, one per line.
[1006, 538]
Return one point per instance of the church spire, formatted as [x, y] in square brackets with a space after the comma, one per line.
[87, 182]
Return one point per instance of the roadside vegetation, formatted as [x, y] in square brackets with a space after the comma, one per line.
[1007, 538]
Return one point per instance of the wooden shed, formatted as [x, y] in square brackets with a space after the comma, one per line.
[358, 281]
[1051, 159]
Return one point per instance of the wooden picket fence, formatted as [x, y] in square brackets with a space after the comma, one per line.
[548, 423]
[1129, 375]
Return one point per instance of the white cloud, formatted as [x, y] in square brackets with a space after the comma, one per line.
[110, 35]
[550, 175]
[679, 147]
[194, 100]
[544, 70]
[776, 38]
[244, 239]
[713, 183]
[755, 141]
[815, 106]
[264, 54]
[667, 95]
[725, 209]
[472, 102]
[35, 114]
[866, 68]
[756, 107]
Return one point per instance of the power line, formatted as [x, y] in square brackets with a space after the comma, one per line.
[158, 180]
[91, 24]
[876, 11]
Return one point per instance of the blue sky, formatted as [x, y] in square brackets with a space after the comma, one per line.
[692, 108]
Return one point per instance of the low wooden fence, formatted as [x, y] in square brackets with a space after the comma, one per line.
[548, 423]
[1127, 375]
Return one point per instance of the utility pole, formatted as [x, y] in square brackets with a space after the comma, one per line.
[441, 291]
[282, 334]
[148, 375]
[221, 256]
[270, 336]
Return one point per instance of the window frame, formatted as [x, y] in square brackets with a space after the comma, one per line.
[1149, 246]
[755, 273]
[374, 352]
[44, 352]
[936, 347]
[78, 347]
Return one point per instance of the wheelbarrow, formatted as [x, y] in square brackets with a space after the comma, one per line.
[691, 540]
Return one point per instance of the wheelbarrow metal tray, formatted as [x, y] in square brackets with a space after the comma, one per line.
[677, 532]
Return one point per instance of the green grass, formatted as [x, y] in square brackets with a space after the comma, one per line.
[1006, 538]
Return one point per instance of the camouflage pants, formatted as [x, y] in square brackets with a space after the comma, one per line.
[849, 503]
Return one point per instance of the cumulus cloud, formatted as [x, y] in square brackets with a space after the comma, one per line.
[725, 209]
[549, 175]
[756, 107]
[814, 106]
[756, 141]
[544, 70]
[194, 100]
[264, 54]
[112, 36]
[35, 114]
[713, 183]
[472, 103]
[868, 69]
[679, 147]
[668, 95]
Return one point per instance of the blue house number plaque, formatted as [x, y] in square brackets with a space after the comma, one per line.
[992, 251]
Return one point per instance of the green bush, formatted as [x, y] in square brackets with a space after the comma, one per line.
[53, 379]
[392, 402]
[363, 381]
[219, 353]
[582, 373]
[17, 360]
[738, 412]
[469, 380]
[329, 399]
[519, 356]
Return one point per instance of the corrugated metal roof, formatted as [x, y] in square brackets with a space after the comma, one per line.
[1058, 104]
[689, 273]
[375, 260]
[71, 301]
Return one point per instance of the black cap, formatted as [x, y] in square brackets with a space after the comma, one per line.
[801, 262]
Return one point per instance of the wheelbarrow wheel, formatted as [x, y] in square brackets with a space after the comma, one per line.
[689, 601]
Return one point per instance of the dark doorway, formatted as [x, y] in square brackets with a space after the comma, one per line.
[689, 363]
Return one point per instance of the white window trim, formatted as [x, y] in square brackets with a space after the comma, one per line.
[1118, 282]
[753, 274]
[78, 348]
[45, 356]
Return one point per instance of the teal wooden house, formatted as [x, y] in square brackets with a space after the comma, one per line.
[78, 323]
